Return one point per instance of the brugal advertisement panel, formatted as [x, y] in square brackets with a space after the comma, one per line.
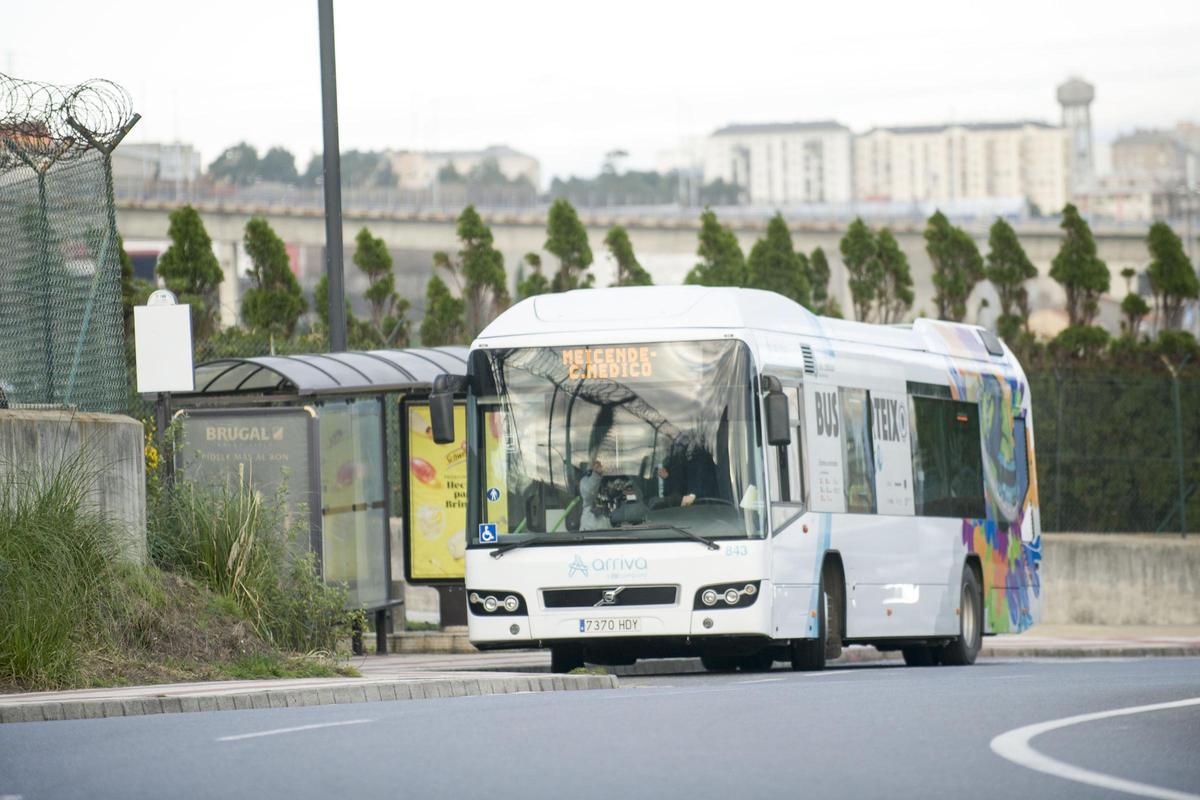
[269, 449]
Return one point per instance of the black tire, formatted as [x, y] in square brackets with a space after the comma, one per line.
[834, 590]
[964, 650]
[918, 656]
[718, 663]
[808, 655]
[564, 658]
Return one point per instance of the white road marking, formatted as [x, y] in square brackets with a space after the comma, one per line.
[1014, 746]
[277, 731]
[758, 680]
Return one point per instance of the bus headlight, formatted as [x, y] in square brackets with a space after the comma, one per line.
[482, 602]
[735, 595]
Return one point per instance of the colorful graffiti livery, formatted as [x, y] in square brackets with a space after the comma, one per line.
[1006, 539]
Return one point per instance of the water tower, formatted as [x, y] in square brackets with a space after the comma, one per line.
[1075, 96]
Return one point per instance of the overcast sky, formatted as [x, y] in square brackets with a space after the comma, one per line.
[567, 82]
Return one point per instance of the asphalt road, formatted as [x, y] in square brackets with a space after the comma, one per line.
[857, 731]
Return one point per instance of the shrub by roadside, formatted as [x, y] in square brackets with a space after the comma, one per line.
[72, 615]
[239, 544]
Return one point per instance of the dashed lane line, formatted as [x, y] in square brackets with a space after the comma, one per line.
[1015, 746]
[296, 729]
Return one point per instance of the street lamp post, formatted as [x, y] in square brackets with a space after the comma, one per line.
[331, 162]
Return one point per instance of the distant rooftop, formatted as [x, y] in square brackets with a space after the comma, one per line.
[1142, 136]
[780, 127]
[970, 126]
[492, 151]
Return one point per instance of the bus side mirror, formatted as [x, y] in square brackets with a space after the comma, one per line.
[779, 427]
[441, 406]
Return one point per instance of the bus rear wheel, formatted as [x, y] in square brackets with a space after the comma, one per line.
[564, 658]
[965, 649]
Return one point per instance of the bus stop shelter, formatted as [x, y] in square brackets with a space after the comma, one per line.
[329, 433]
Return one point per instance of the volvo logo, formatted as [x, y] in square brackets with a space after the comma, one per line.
[609, 597]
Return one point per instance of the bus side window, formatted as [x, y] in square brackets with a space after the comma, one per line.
[781, 480]
[796, 485]
[785, 463]
[858, 458]
[947, 459]
[1021, 456]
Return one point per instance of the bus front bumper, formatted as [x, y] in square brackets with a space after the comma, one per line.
[622, 622]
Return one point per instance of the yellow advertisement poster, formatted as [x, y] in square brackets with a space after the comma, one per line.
[496, 491]
[437, 498]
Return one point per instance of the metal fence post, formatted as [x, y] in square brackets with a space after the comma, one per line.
[1171, 368]
[1058, 436]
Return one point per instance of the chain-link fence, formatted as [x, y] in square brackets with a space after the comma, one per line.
[61, 326]
[1116, 454]
[61, 323]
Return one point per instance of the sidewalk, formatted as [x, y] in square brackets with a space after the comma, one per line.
[417, 676]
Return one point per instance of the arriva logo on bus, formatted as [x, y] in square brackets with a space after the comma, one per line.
[616, 564]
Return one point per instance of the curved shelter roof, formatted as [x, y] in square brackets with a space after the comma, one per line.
[354, 372]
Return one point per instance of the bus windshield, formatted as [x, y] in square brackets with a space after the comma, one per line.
[620, 441]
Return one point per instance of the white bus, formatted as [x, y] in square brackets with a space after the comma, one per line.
[715, 472]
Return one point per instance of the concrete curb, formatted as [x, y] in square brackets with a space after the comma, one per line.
[862, 655]
[333, 692]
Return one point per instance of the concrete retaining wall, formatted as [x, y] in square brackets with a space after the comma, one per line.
[113, 447]
[1120, 579]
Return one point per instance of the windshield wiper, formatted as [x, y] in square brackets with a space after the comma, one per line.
[536, 539]
[709, 543]
[580, 537]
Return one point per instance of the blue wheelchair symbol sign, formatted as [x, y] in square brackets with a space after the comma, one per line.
[487, 533]
[493, 494]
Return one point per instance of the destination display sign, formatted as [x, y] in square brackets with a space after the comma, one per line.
[610, 363]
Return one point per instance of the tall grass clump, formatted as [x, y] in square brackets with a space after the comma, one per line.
[239, 544]
[59, 575]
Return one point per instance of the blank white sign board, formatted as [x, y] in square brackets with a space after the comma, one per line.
[163, 346]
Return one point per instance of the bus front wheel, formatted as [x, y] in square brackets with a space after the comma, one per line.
[810, 654]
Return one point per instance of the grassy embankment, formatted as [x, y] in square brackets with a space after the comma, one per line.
[223, 597]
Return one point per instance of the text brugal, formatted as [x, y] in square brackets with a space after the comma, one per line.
[608, 362]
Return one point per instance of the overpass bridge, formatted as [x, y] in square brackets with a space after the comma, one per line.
[665, 241]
